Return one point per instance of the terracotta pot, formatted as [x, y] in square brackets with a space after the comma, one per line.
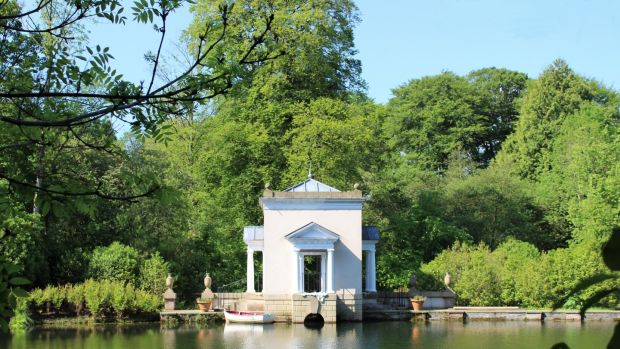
[416, 305]
[204, 306]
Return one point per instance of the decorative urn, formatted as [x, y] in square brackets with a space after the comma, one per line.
[169, 281]
[447, 279]
[207, 281]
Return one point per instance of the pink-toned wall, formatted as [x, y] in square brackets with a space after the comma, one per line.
[278, 253]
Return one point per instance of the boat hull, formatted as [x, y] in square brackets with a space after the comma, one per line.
[248, 317]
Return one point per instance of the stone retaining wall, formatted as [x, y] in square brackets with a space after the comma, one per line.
[280, 305]
[480, 315]
[349, 305]
[302, 307]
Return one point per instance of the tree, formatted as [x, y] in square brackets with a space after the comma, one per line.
[59, 97]
[582, 184]
[59, 81]
[498, 91]
[405, 203]
[557, 93]
[315, 39]
[340, 140]
[429, 118]
[493, 206]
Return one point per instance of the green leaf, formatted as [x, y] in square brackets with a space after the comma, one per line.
[20, 292]
[19, 281]
[4, 326]
[45, 209]
[12, 268]
[12, 301]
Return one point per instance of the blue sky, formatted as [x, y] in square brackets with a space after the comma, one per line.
[401, 40]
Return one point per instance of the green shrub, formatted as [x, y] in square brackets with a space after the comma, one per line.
[37, 296]
[511, 258]
[153, 274]
[55, 295]
[517, 274]
[478, 284]
[146, 302]
[97, 296]
[476, 274]
[100, 297]
[546, 280]
[21, 321]
[116, 262]
[75, 297]
[123, 298]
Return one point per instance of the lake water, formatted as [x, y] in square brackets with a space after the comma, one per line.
[435, 335]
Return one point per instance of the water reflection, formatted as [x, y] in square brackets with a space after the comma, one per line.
[507, 335]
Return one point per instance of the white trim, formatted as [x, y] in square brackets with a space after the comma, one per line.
[369, 245]
[330, 270]
[371, 272]
[295, 270]
[323, 269]
[311, 204]
[250, 271]
[312, 232]
[256, 245]
[313, 246]
[312, 236]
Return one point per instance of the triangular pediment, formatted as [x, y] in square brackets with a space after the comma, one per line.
[314, 232]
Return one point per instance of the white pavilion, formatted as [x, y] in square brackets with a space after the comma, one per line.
[312, 244]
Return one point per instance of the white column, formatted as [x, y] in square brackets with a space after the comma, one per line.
[330, 270]
[300, 272]
[250, 271]
[323, 273]
[371, 271]
[295, 269]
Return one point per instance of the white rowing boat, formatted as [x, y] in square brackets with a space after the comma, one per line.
[248, 317]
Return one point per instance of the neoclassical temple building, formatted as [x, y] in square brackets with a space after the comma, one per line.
[312, 245]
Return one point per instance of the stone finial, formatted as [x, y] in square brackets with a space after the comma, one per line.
[169, 296]
[447, 279]
[356, 186]
[207, 293]
[207, 281]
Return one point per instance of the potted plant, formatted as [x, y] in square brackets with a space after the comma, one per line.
[417, 302]
[204, 303]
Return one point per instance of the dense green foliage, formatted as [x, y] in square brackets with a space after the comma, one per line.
[516, 273]
[94, 298]
[116, 262]
[570, 186]
[153, 273]
[510, 184]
